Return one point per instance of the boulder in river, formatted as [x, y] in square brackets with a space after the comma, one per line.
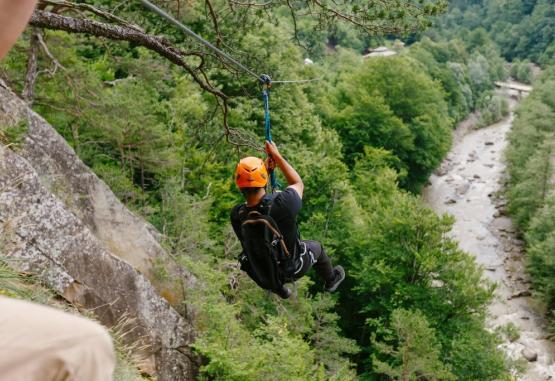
[462, 189]
[529, 354]
[520, 294]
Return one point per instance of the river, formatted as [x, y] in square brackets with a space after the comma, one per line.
[467, 186]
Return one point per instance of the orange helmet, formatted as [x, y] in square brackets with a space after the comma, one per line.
[251, 173]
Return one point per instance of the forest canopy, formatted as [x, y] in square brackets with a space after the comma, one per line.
[164, 127]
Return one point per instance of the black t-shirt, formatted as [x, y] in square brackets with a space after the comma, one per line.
[285, 208]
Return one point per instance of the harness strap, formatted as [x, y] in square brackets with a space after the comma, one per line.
[271, 227]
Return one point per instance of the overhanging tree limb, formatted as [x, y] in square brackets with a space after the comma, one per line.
[48, 20]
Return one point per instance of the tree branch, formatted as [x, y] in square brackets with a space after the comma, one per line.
[43, 19]
[215, 23]
[46, 51]
[32, 67]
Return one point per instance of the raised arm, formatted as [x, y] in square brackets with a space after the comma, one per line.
[14, 15]
[293, 179]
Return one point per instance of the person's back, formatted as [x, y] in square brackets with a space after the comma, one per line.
[285, 206]
[251, 177]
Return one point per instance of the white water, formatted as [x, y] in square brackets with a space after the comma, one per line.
[466, 186]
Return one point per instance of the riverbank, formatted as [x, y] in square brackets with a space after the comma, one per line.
[467, 186]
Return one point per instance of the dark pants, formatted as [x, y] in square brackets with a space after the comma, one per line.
[314, 255]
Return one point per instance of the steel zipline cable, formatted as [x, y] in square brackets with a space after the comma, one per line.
[214, 48]
[201, 40]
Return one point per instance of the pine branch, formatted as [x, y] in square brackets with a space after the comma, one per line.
[48, 20]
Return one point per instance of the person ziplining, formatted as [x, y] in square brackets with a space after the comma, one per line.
[266, 224]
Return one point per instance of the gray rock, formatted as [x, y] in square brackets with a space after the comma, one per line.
[529, 354]
[62, 172]
[442, 171]
[59, 237]
[463, 188]
[520, 294]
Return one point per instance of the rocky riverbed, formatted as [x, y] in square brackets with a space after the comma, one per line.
[467, 186]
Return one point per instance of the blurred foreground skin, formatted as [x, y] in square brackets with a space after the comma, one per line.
[44, 344]
[14, 15]
[39, 343]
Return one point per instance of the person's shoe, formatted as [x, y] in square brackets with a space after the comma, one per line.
[285, 293]
[339, 277]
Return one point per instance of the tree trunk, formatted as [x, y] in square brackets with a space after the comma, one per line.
[32, 68]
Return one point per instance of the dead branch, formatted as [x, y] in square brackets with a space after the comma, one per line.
[215, 23]
[57, 64]
[250, 4]
[32, 67]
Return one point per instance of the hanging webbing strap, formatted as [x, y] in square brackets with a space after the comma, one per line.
[266, 82]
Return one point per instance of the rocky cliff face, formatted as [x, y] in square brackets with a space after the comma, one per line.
[58, 220]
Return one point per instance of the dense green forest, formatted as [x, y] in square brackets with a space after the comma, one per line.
[531, 189]
[365, 139]
[522, 29]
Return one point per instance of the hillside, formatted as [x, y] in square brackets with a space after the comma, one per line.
[116, 183]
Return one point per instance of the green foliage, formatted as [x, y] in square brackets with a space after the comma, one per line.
[417, 353]
[522, 71]
[473, 358]
[541, 244]
[12, 136]
[522, 29]
[492, 108]
[398, 256]
[390, 103]
[446, 63]
[530, 193]
[530, 152]
[369, 126]
[270, 345]
[510, 331]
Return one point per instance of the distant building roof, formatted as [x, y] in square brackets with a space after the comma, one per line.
[381, 51]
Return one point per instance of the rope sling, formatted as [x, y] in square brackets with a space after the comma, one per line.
[266, 82]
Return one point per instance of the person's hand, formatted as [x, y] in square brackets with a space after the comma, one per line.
[270, 164]
[272, 150]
